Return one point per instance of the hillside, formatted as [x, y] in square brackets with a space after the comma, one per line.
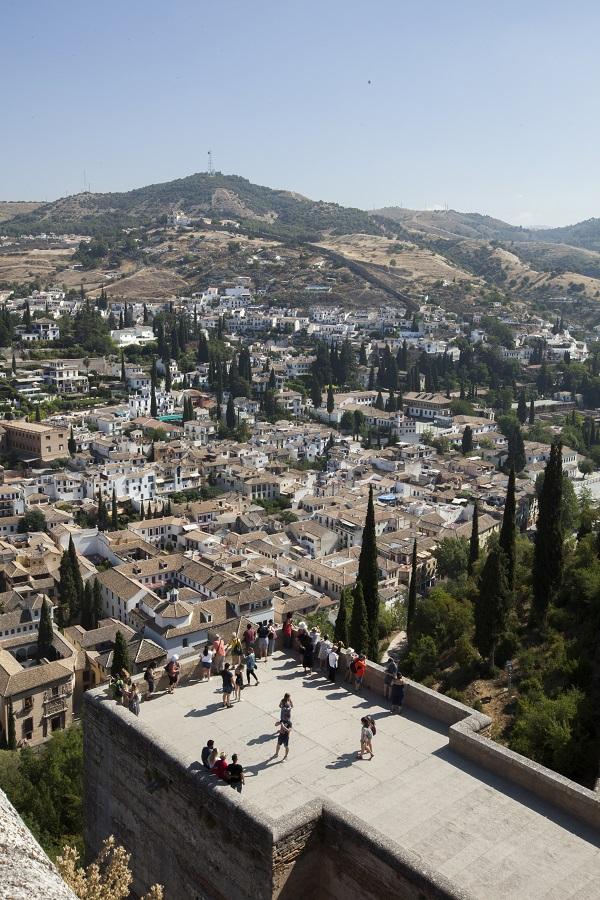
[452, 224]
[11, 208]
[282, 213]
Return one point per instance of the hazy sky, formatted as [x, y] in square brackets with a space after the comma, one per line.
[486, 106]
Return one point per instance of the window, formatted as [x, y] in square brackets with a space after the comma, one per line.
[56, 723]
[28, 729]
[184, 642]
[27, 703]
[55, 691]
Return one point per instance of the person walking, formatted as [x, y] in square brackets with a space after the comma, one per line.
[332, 663]
[173, 669]
[249, 637]
[324, 651]
[251, 666]
[391, 670]
[288, 632]
[206, 662]
[236, 649]
[366, 737]
[206, 752]
[239, 681]
[235, 774]
[286, 706]
[397, 693]
[272, 637]
[149, 678]
[133, 701]
[227, 676]
[283, 739]
[360, 667]
[220, 766]
[219, 650]
[262, 640]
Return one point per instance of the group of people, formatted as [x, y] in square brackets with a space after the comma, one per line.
[125, 691]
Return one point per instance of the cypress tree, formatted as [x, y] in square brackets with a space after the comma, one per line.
[330, 401]
[12, 732]
[341, 623]
[522, 409]
[493, 602]
[379, 404]
[531, 412]
[45, 631]
[359, 632]
[474, 539]
[371, 384]
[169, 508]
[96, 603]
[123, 373]
[508, 531]
[72, 444]
[368, 575]
[77, 579]
[14, 364]
[67, 593]
[87, 607]
[102, 514]
[120, 654]
[114, 511]
[412, 596]
[230, 416]
[548, 550]
[141, 510]
[516, 449]
[38, 415]
[467, 440]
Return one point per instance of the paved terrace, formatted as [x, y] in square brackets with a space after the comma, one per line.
[488, 836]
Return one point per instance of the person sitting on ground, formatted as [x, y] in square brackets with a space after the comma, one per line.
[397, 693]
[391, 670]
[173, 669]
[220, 767]
[206, 752]
[213, 757]
[234, 774]
[359, 671]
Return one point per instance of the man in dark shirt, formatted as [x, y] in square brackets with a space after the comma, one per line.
[235, 774]
[206, 751]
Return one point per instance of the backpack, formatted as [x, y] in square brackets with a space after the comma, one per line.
[353, 666]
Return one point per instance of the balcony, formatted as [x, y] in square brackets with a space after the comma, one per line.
[55, 704]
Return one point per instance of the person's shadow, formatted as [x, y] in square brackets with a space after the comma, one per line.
[262, 738]
[343, 761]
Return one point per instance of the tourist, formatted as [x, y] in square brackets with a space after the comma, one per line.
[227, 676]
[308, 655]
[206, 661]
[249, 637]
[262, 640]
[283, 739]
[332, 663]
[397, 693]
[118, 686]
[391, 671]
[366, 737]
[251, 666]
[286, 706]
[272, 637]
[351, 657]
[324, 649]
[149, 678]
[360, 667]
[219, 650]
[235, 774]
[236, 649]
[315, 636]
[304, 642]
[206, 752]
[239, 681]
[134, 700]
[288, 632]
[173, 669]
[212, 757]
[220, 766]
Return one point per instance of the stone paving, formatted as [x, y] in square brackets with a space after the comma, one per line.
[488, 836]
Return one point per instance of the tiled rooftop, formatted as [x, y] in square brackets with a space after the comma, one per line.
[490, 837]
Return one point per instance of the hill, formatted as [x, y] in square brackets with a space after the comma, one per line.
[276, 212]
[452, 224]
[11, 208]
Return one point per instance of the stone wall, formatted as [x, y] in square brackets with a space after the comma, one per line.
[26, 873]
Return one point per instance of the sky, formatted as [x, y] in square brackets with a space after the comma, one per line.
[487, 107]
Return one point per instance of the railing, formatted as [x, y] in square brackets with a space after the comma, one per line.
[55, 703]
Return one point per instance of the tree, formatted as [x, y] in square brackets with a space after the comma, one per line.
[516, 449]
[38, 415]
[33, 520]
[508, 531]
[467, 440]
[87, 607]
[493, 602]
[107, 878]
[316, 393]
[67, 592]
[14, 364]
[379, 404]
[359, 632]
[12, 732]
[123, 372]
[368, 575]
[96, 603]
[522, 408]
[120, 654]
[230, 415]
[474, 539]
[548, 551]
[531, 412]
[341, 623]
[330, 401]
[72, 443]
[102, 514]
[45, 631]
[114, 511]
[153, 407]
[412, 596]
[452, 555]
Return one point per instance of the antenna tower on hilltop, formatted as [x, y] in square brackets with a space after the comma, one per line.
[211, 171]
